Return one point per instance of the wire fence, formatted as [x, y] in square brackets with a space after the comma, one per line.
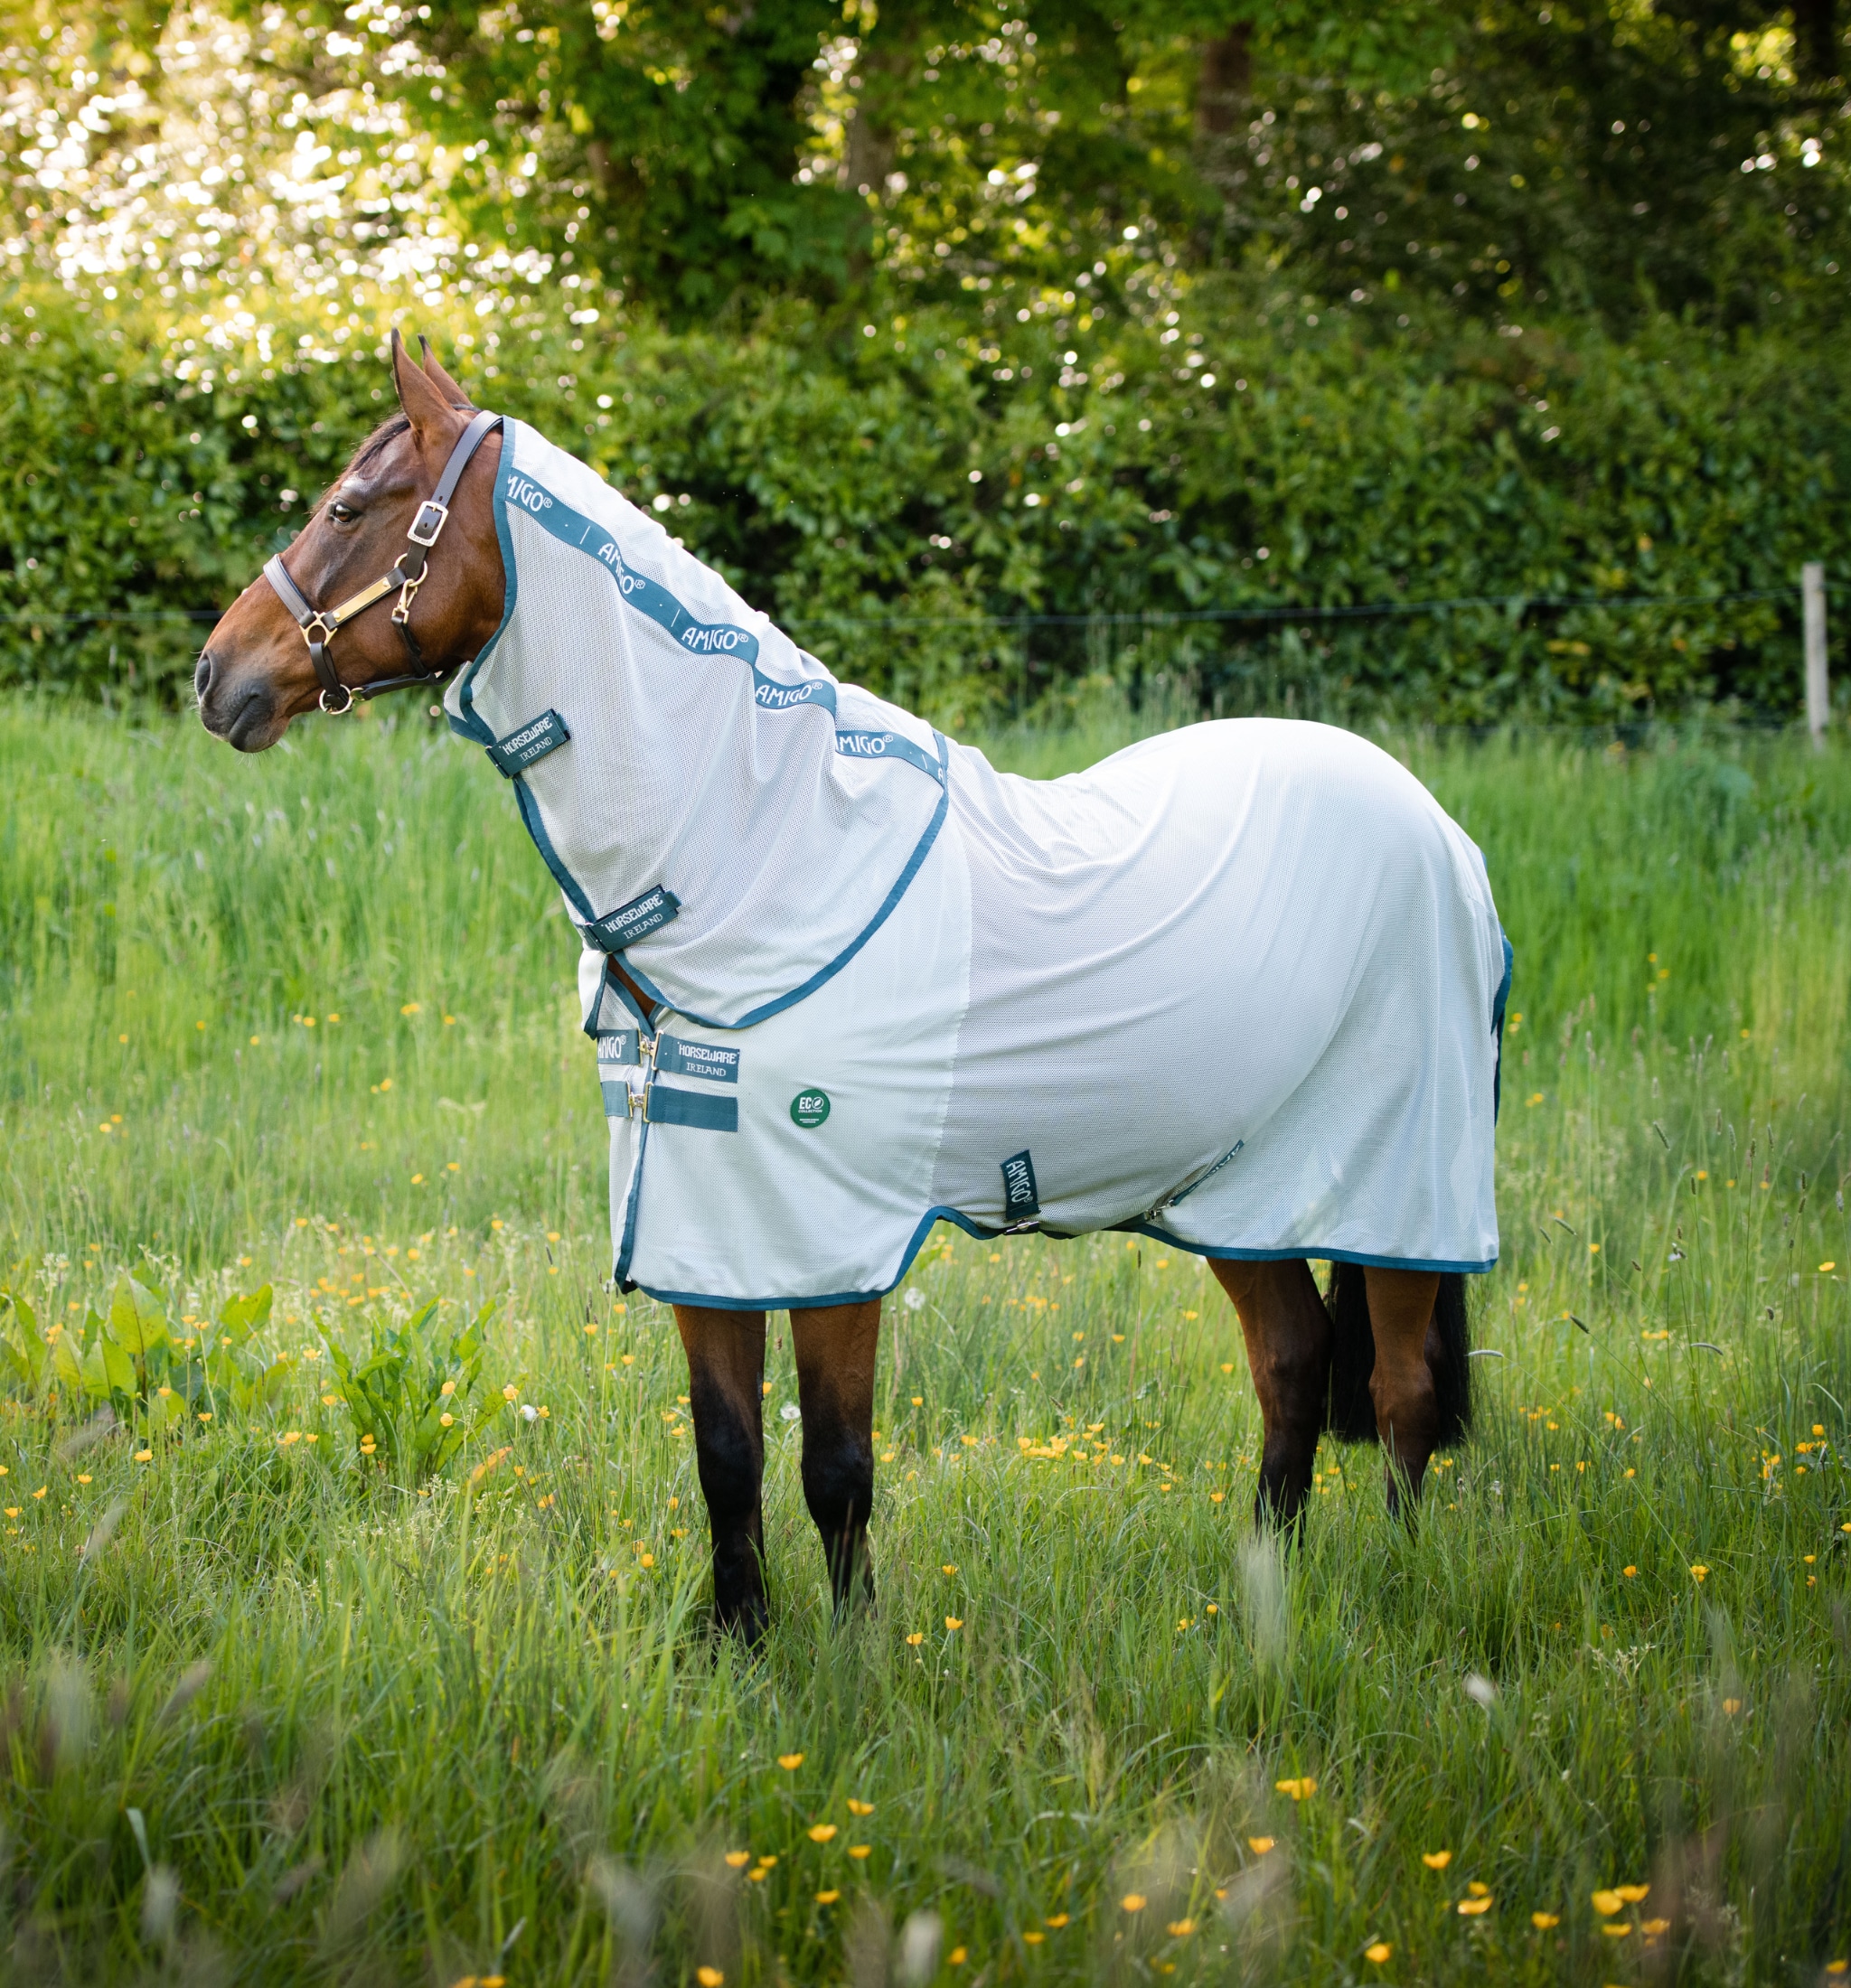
[1468, 656]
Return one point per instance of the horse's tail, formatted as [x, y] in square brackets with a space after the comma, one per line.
[1350, 1414]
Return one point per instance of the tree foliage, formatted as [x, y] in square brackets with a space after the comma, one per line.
[1601, 153]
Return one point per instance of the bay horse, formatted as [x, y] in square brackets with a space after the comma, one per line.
[1239, 989]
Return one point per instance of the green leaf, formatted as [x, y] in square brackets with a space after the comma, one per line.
[66, 1364]
[136, 1321]
[238, 1317]
[118, 1369]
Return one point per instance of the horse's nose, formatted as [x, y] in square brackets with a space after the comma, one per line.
[202, 675]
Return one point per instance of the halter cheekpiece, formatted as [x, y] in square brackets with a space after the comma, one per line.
[319, 625]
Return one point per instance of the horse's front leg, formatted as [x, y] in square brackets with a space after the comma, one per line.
[834, 1345]
[726, 1389]
[1288, 1334]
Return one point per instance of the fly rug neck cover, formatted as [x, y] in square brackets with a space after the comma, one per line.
[1238, 988]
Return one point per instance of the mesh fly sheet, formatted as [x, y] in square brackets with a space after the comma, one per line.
[1239, 988]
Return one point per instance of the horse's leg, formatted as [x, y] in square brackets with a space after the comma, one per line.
[726, 1375]
[834, 1345]
[1288, 1334]
[1407, 1405]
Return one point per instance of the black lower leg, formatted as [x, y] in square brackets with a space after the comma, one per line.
[1286, 1473]
[839, 1488]
[726, 1366]
[727, 1454]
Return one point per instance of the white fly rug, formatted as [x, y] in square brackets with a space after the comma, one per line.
[1238, 988]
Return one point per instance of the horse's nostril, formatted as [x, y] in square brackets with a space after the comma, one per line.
[202, 674]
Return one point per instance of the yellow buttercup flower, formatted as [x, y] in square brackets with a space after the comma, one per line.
[860, 1808]
[820, 1833]
[1260, 1845]
[1378, 1953]
[1299, 1789]
[827, 1898]
[1180, 1928]
[1436, 1860]
[1542, 1921]
[1607, 1903]
[1632, 1893]
[1134, 1901]
[1470, 1908]
[860, 1849]
[790, 1762]
[739, 1859]
[708, 1977]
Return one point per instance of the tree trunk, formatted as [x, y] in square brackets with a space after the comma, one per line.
[1815, 40]
[1224, 81]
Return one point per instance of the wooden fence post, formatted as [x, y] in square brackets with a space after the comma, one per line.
[1818, 692]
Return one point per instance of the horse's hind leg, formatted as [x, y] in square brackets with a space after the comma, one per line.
[834, 1345]
[1288, 1334]
[725, 1376]
[1407, 1404]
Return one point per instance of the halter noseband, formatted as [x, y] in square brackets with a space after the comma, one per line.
[319, 625]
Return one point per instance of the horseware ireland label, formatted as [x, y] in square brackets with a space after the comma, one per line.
[531, 741]
[636, 920]
[809, 1109]
[677, 1058]
[1020, 1196]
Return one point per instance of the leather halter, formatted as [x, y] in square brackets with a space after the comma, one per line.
[320, 625]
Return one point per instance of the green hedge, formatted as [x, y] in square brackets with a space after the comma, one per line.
[825, 472]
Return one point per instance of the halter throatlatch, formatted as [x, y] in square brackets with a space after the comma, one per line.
[320, 625]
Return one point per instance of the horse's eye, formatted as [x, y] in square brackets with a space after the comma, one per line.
[342, 514]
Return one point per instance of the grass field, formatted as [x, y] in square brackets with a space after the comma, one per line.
[277, 1711]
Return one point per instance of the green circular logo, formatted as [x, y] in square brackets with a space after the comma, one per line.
[809, 1109]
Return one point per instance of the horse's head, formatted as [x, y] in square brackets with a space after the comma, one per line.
[255, 673]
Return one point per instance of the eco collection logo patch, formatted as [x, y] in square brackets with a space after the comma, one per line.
[809, 1109]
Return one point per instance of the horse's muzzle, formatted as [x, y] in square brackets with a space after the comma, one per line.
[244, 716]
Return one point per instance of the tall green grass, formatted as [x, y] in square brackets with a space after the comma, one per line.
[477, 1727]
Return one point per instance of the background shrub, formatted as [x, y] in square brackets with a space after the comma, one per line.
[970, 521]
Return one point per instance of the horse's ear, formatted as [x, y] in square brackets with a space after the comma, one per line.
[431, 416]
[440, 379]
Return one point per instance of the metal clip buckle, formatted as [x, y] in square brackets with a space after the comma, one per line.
[438, 513]
[319, 621]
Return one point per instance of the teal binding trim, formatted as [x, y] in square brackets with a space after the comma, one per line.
[650, 597]
[935, 1215]
[842, 957]
[620, 1269]
[770, 695]
[888, 746]
[471, 724]
[572, 528]
[548, 855]
[1498, 1008]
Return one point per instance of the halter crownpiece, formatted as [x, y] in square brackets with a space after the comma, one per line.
[320, 625]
